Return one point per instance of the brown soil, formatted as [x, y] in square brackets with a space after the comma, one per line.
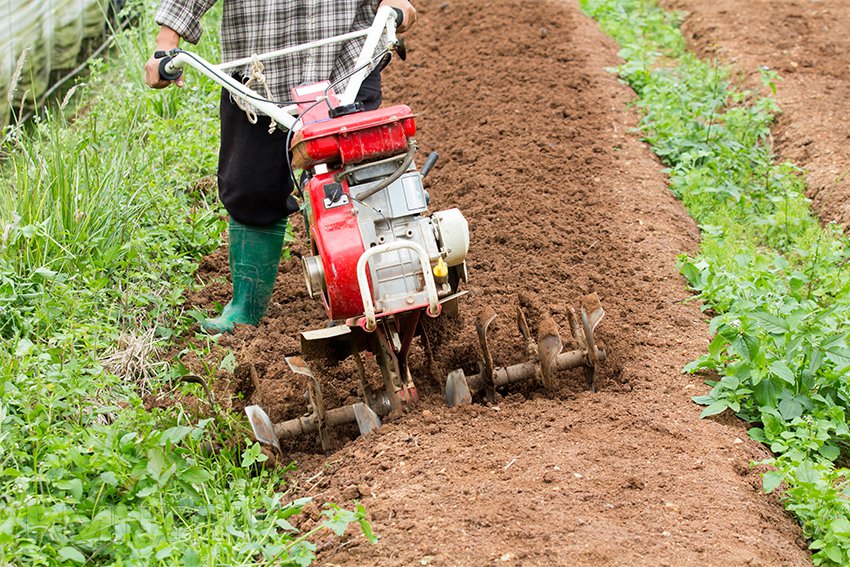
[808, 42]
[562, 200]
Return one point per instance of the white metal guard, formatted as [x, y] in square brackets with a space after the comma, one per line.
[427, 276]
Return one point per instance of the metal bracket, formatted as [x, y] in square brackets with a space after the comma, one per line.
[427, 278]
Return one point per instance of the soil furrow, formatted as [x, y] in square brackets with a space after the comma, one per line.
[562, 200]
[808, 43]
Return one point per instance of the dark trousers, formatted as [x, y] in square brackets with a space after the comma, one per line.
[254, 179]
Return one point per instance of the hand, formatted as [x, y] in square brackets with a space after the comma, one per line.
[408, 10]
[165, 41]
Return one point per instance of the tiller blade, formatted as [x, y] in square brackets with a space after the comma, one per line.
[390, 346]
[547, 354]
[457, 389]
[263, 427]
[318, 419]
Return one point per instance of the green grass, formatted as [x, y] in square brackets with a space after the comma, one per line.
[101, 230]
[776, 281]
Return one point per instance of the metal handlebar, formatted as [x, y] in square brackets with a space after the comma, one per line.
[385, 20]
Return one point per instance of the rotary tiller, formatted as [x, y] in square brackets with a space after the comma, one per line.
[380, 259]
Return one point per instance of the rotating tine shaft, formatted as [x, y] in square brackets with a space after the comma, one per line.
[319, 420]
[547, 355]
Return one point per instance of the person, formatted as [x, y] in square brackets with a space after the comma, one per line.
[254, 179]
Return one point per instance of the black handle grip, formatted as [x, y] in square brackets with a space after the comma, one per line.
[399, 17]
[429, 164]
[164, 74]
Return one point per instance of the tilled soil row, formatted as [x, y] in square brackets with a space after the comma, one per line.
[562, 200]
[808, 43]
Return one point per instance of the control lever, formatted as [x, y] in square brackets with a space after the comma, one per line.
[429, 164]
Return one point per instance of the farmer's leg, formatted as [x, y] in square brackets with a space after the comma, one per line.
[255, 187]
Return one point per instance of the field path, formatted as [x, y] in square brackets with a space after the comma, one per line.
[808, 43]
[562, 200]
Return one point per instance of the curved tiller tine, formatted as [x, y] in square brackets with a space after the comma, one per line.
[591, 314]
[549, 346]
[457, 389]
[579, 330]
[263, 427]
[367, 420]
[317, 405]
[522, 325]
[486, 317]
[591, 309]
[314, 394]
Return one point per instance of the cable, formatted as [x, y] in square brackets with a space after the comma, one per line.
[402, 169]
[368, 206]
[326, 100]
[289, 139]
[258, 98]
[349, 75]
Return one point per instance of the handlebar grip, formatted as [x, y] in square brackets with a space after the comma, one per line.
[164, 74]
[399, 17]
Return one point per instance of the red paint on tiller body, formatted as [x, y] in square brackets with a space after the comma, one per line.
[355, 138]
[336, 142]
[336, 236]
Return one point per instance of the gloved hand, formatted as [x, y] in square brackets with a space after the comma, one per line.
[408, 10]
[165, 41]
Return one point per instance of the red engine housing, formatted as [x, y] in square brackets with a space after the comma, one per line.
[354, 138]
[338, 243]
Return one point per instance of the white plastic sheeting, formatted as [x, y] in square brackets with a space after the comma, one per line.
[52, 32]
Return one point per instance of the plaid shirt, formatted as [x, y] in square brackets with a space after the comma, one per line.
[260, 26]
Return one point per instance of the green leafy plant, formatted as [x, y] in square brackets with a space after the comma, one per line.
[101, 231]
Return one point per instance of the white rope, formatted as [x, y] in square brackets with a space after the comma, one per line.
[255, 78]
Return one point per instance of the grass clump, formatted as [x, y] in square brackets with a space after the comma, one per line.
[776, 280]
[100, 234]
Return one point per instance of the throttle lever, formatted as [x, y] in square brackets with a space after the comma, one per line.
[429, 164]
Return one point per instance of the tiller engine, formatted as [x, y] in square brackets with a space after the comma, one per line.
[380, 260]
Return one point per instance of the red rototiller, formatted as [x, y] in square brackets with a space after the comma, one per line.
[381, 260]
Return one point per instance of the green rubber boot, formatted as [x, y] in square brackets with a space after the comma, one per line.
[254, 257]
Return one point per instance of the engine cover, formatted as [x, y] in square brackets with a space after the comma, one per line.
[337, 243]
[355, 138]
[391, 233]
